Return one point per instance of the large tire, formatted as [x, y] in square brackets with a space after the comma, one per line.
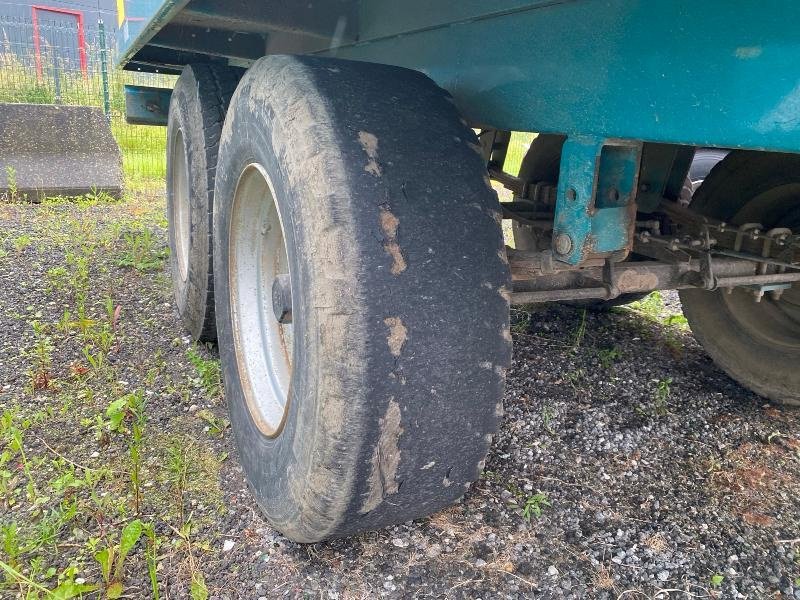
[377, 404]
[196, 116]
[757, 344]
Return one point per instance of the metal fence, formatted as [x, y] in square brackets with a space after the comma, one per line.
[68, 62]
[61, 62]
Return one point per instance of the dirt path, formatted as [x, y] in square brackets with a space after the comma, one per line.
[628, 465]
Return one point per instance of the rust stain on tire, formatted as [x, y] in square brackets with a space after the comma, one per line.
[382, 480]
[389, 225]
[398, 334]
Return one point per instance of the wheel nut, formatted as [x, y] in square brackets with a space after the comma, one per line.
[282, 299]
[563, 244]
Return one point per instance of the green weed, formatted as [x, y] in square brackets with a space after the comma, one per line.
[678, 321]
[580, 332]
[142, 251]
[22, 242]
[534, 505]
[662, 395]
[575, 377]
[129, 409]
[651, 306]
[57, 278]
[13, 437]
[151, 556]
[67, 589]
[112, 559]
[216, 425]
[653, 309]
[608, 356]
[197, 588]
[547, 418]
[178, 472]
[209, 372]
[41, 358]
[12, 195]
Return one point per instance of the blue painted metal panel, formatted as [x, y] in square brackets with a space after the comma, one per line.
[141, 21]
[710, 73]
[385, 19]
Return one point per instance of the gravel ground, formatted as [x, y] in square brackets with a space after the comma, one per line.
[627, 466]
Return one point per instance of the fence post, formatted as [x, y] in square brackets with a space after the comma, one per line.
[104, 70]
[56, 80]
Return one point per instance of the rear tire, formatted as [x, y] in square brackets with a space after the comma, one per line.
[757, 344]
[196, 116]
[704, 160]
[379, 404]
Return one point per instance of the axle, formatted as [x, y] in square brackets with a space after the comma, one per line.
[610, 280]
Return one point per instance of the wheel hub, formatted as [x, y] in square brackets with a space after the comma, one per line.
[180, 205]
[261, 300]
[282, 299]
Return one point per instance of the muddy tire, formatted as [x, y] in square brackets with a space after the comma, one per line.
[757, 344]
[352, 197]
[196, 116]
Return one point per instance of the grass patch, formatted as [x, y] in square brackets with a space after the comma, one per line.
[517, 147]
[209, 372]
[674, 326]
[97, 492]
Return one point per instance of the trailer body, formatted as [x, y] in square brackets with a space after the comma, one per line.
[686, 72]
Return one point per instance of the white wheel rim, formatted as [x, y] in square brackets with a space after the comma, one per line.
[180, 216]
[257, 254]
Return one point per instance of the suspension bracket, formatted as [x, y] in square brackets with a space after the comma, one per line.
[595, 214]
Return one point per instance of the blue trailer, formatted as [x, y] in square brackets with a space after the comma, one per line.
[334, 227]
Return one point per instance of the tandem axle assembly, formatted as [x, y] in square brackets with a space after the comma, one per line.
[614, 279]
[612, 220]
[716, 256]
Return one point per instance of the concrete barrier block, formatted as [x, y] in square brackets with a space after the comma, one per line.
[53, 150]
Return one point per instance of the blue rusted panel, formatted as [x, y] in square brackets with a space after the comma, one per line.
[147, 105]
[595, 208]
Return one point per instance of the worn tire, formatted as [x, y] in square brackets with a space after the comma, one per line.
[196, 116]
[399, 294]
[757, 344]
